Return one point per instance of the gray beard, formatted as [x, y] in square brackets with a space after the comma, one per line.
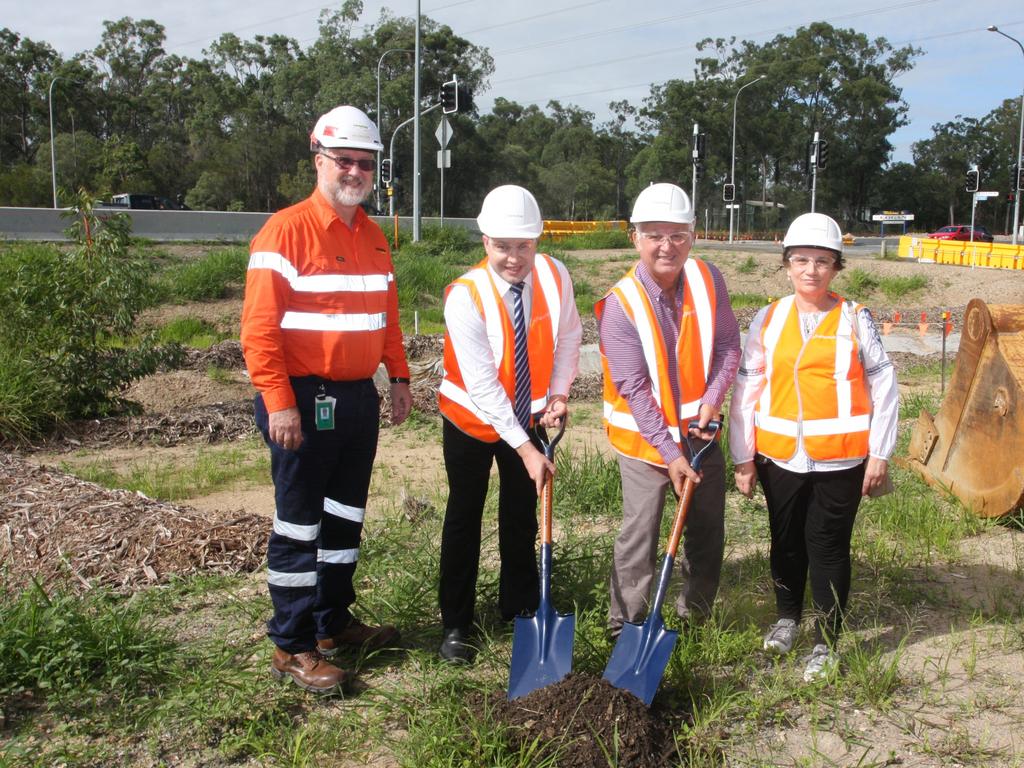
[349, 196]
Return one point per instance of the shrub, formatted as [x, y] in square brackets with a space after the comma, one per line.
[66, 314]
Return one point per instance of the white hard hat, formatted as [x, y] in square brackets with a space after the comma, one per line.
[347, 127]
[814, 230]
[510, 211]
[662, 202]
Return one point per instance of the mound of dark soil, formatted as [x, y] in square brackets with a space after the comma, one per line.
[588, 722]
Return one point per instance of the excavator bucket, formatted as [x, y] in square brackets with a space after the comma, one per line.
[974, 446]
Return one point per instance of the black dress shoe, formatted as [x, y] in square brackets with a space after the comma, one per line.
[455, 647]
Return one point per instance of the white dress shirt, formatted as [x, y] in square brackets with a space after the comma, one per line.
[468, 334]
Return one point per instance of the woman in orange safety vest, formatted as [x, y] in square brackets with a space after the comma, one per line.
[813, 418]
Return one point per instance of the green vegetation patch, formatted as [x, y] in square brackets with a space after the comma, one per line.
[204, 279]
[748, 300]
[208, 470]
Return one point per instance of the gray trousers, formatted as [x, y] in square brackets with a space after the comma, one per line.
[636, 562]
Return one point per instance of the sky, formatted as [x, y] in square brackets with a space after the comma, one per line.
[591, 52]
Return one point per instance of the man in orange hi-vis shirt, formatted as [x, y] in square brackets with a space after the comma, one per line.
[320, 316]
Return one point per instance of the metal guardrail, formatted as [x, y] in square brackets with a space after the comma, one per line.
[48, 224]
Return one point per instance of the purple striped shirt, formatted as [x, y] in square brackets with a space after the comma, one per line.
[621, 344]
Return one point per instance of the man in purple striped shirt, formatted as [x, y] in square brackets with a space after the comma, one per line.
[670, 346]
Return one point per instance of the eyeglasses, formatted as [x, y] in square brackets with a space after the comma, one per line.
[675, 238]
[802, 262]
[345, 163]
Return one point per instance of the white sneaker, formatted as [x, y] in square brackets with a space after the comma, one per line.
[821, 664]
[781, 636]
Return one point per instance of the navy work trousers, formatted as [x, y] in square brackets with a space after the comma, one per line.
[321, 490]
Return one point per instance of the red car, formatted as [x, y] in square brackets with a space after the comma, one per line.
[962, 232]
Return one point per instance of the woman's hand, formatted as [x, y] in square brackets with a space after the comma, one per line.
[874, 475]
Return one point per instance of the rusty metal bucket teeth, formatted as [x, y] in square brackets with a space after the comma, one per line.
[974, 446]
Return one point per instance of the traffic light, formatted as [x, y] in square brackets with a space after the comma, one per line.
[808, 157]
[971, 180]
[1020, 180]
[698, 166]
[450, 96]
[822, 154]
[729, 193]
[385, 171]
[700, 142]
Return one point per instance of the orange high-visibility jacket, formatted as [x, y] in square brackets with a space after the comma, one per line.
[815, 388]
[320, 300]
[692, 356]
[542, 338]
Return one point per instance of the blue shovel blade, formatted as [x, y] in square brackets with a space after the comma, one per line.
[541, 651]
[640, 656]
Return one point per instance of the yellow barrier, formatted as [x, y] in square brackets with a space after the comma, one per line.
[962, 253]
[559, 230]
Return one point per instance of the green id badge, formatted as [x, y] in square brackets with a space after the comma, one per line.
[325, 412]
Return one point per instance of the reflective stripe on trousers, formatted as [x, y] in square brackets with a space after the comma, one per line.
[320, 492]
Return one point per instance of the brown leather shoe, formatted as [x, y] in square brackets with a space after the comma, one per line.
[360, 636]
[309, 670]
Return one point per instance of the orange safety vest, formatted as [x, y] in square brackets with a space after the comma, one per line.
[815, 388]
[693, 358]
[542, 340]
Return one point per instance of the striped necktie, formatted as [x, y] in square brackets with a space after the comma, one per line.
[522, 404]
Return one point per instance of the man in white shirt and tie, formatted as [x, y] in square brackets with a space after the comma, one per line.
[511, 352]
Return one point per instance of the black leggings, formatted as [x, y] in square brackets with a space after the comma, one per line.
[811, 516]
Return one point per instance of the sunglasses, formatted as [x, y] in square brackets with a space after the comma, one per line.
[345, 163]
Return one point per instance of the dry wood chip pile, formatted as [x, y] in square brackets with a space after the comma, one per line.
[214, 423]
[59, 529]
[226, 354]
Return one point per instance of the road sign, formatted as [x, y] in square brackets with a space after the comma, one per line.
[985, 195]
[733, 205]
[443, 133]
[444, 158]
[893, 217]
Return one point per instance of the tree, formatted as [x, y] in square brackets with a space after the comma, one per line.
[833, 81]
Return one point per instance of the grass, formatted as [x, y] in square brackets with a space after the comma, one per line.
[105, 679]
[191, 332]
[745, 300]
[209, 277]
[858, 284]
[205, 471]
[598, 239]
[898, 287]
[748, 266]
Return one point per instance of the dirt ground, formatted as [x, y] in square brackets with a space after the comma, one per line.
[192, 406]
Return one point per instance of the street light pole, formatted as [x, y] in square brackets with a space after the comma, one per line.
[416, 137]
[391, 152]
[53, 150]
[1020, 141]
[376, 115]
[732, 167]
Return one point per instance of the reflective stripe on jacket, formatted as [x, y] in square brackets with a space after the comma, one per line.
[542, 337]
[814, 388]
[692, 355]
[320, 300]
